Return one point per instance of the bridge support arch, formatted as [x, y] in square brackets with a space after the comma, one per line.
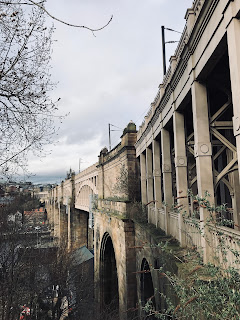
[108, 275]
[115, 262]
[147, 288]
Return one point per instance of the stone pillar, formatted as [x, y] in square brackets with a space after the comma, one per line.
[59, 221]
[157, 179]
[181, 170]
[167, 174]
[69, 237]
[143, 178]
[233, 36]
[149, 164]
[203, 155]
[100, 184]
[52, 214]
[55, 218]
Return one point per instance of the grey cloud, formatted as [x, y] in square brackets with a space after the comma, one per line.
[110, 78]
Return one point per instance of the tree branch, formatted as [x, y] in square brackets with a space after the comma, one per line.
[70, 24]
[16, 154]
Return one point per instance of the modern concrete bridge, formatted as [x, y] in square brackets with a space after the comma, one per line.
[189, 140]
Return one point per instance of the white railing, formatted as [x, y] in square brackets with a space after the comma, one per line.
[192, 234]
[226, 243]
[174, 225]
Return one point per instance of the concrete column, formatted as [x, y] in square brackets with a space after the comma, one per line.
[157, 179]
[181, 170]
[234, 181]
[167, 174]
[233, 36]
[143, 178]
[203, 155]
[236, 199]
[149, 165]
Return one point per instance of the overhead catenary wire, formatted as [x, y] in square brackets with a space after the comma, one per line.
[171, 41]
[140, 117]
[115, 127]
[172, 30]
[109, 133]
[163, 46]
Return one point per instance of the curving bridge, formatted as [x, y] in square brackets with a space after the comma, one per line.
[86, 187]
[70, 207]
[189, 140]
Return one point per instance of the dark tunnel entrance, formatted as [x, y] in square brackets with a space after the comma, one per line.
[109, 278]
[147, 289]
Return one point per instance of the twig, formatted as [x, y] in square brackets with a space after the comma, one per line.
[182, 197]
[143, 271]
[70, 24]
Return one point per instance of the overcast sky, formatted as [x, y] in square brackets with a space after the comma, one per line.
[110, 78]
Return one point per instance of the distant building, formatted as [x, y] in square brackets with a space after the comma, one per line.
[35, 215]
[15, 219]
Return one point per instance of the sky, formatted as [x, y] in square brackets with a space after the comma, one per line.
[111, 77]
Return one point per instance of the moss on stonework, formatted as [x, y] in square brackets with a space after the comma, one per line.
[188, 262]
[117, 199]
[112, 213]
[157, 234]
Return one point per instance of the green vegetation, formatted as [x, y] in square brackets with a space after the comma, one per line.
[200, 291]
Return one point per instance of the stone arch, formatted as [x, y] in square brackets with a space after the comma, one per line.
[108, 275]
[146, 285]
[83, 191]
[89, 184]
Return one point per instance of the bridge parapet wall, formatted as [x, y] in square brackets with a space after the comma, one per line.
[119, 208]
[117, 167]
[87, 173]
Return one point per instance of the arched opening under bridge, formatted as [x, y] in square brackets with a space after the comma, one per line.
[147, 289]
[108, 276]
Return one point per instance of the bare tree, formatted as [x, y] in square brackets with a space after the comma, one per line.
[26, 111]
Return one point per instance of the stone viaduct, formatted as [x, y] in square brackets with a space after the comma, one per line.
[189, 140]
